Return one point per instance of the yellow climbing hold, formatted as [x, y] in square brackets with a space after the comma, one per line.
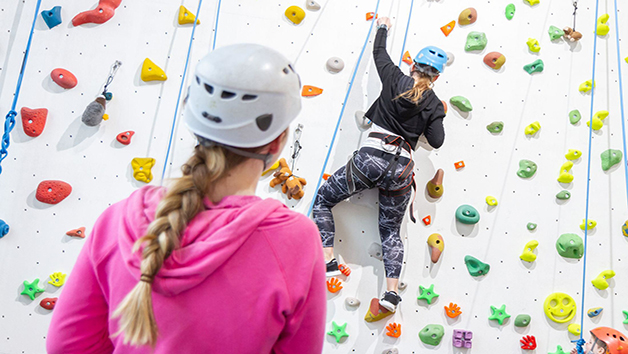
[533, 128]
[598, 117]
[151, 72]
[533, 2]
[490, 200]
[295, 14]
[533, 45]
[105, 116]
[142, 168]
[573, 154]
[601, 281]
[591, 224]
[57, 279]
[586, 86]
[186, 16]
[574, 329]
[602, 27]
[528, 254]
[565, 176]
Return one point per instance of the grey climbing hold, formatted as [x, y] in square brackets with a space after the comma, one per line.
[391, 351]
[362, 122]
[375, 250]
[312, 5]
[92, 116]
[450, 58]
[352, 301]
[402, 285]
[335, 65]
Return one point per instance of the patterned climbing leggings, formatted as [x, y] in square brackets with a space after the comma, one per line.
[391, 209]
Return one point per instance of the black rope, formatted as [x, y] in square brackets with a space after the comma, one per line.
[575, 9]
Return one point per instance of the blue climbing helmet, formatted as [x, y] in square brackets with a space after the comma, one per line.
[433, 57]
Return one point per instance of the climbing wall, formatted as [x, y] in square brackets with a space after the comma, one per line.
[99, 168]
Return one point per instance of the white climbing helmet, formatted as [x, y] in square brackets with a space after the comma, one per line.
[243, 95]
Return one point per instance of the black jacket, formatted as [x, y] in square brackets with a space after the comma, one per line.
[401, 116]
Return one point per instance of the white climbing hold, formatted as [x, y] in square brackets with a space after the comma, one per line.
[375, 250]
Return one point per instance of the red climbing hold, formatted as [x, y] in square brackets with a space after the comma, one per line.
[528, 342]
[101, 14]
[80, 232]
[48, 303]
[427, 220]
[63, 78]
[407, 58]
[344, 269]
[444, 105]
[125, 137]
[52, 192]
[33, 121]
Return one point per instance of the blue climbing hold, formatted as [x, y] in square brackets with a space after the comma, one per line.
[4, 228]
[52, 16]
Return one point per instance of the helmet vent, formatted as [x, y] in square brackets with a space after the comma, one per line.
[227, 95]
[212, 118]
[198, 81]
[264, 121]
[209, 89]
[249, 97]
[286, 71]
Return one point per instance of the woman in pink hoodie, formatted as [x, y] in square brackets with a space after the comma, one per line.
[206, 266]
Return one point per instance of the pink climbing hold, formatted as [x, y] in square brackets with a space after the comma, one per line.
[63, 78]
[52, 192]
[101, 14]
[33, 121]
[125, 137]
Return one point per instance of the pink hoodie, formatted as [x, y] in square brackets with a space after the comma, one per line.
[248, 278]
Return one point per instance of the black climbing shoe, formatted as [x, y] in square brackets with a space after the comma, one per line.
[332, 268]
[390, 300]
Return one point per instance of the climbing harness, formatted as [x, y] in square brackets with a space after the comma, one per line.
[112, 74]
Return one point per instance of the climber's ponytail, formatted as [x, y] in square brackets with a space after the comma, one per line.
[422, 84]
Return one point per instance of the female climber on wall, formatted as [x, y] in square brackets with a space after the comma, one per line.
[205, 266]
[406, 108]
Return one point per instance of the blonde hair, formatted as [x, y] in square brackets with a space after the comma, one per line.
[422, 84]
[182, 202]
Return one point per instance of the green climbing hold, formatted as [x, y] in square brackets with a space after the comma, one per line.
[555, 33]
[610, 158]
[510, 11]
[625, 314]
[338, 331]
[476, 267]
[535, 67]
[563, 195]
[475, 41]
[570, 246]
[559, 350]
[527, 169]
[531, 226]
[427, 294]
[499, 314]
[495, 127]
[467, 214]
[32, 289]
[432, 334]
[522, 320]
[574, 116]
[461, 103]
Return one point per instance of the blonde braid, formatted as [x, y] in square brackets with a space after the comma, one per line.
[414, 94]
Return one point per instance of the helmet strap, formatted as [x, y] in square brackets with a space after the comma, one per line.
[266, 158]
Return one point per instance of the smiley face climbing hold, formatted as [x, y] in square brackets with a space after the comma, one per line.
[476, 267]
[533, 45]
[312, 5]
[475, 41]
[495, 127]
[295, 14]
[436, 245]
[52, 192]
[186, 17]
[594, 312]
[432, 334]
[527, 169]
[335, 65]
[533, 128]
[570, 246]
[528, 251]
[586, 86]
[152, 72]
[142, 168]
[573, 154]
[427, 294]
[33, 121]
[124, 138]
[563, 195]
[559, 307]
[565, 176]
[574, 329]
[498, 314]
[536, 66]
[467, 214]
[52, 17]
[32, 289]
[435, 185]
[574, 116]
[461, 103]
[555, 33]
[522, 320]
[602, 27]
[610, 158]
[590, 225]
[491, 201]
[601, 281]
[63, 78]
[467, 16]
[510, 11]
[495, 60]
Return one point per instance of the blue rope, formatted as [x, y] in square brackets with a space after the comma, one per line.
[216, 25]
[405, 36]
[621, 99]
[9, 122]
[344, 105]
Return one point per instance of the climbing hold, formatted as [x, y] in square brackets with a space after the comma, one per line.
[458, 165]
[436, 245]
[105, 116]
[152, 72]
[295, 14]
[338, 331]
[563, 195]
[448, 28]
[375, 250]
[476, 267]
[33, 121]
[467, 16]
[450, 58]
[527, 169]
[522, 320]
[444, 106]
[186, 16]
[475, 41]
[52, 192]
[48, 303]
[101, 14]
[432, 334]
[510, 11]
[495, 60]
[625, 314]
[4, 228]
[555, 33]
[94, 112]
[593, 312]
[80, 232]
[586, 86]
[391, 351]
[565, 176]
[610, 158]
[326, 176]
[124, 138]
[334, 285]
[533, 128]
[376, 312]
[601, 281]
[312, 5]
[393, 330]
[531, 226]
[362, 121]
[536, 66]
[461, 103]
[427, 220]
[490, 200]
[591, 224]
[467, 214]
[453, 310]
[435, 185]
[351, 301]
[533, 45]
[52, 17]
[370, 15]
[598, 117]
[559, 307]
[559, 349]
[624, 229]
[573, 154]
[495, 127]
[498, 314]
[344, 269]
[570, 246]
[462, 338]
[407, 58]
[528, 343]
[574, 329]
[335, 65]
[574, 116]
[533, 2]
[402, 285]
[602, 27]
[528, 254]
[32, 289]
[309, 91]
[427, 294]
[57, 279]
[63, 78]
[142, 168]
[571, 35]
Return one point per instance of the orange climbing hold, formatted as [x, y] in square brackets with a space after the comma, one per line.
[459, 165]
[326, 176]
[394, 330]
[80, 232]
[370, 15]
[407, 58]
[427, 220]
[309, 91]
[453, 310]
[334, 285]
[344, 269]
[448, 28]
[444, 104]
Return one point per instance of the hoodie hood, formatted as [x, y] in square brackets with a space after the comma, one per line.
[209, 240]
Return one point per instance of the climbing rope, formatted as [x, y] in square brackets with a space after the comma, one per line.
[344, 105]
[9, 122]
[405, 36]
